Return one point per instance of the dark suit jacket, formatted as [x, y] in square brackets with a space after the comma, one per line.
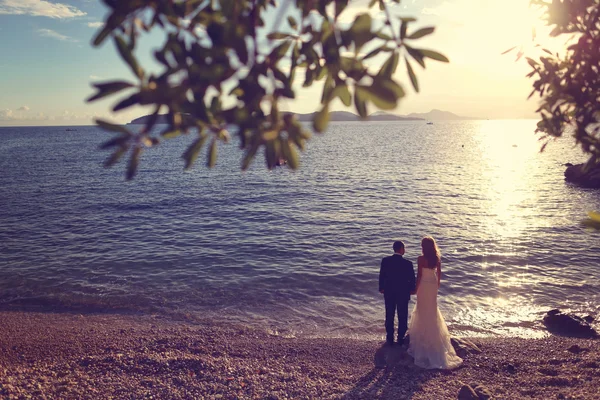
[396, 276]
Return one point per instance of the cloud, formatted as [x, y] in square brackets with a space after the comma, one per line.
[95, 24]
[55, 35]
[20, 117]
[39, 8]
[94, 77]
[6, 115]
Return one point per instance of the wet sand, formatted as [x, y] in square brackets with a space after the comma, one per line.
[52, 356]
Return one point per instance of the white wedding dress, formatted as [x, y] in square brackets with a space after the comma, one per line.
[429, 337]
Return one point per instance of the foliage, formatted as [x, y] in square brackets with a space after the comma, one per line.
[569, 84]
[222, 67]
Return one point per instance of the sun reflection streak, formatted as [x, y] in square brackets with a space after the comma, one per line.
[507, 158]
[499, 315]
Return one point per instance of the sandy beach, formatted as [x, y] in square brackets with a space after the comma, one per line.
[48, 356]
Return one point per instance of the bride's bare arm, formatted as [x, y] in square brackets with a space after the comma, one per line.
[419, 269]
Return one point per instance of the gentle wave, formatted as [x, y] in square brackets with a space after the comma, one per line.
[299, 252]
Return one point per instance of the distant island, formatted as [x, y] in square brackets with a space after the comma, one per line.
[438, 115]
[348, 116]
[433, 115]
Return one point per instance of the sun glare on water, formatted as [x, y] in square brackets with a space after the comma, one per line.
[508, 151]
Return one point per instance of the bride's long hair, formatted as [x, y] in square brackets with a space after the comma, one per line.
[431, 252]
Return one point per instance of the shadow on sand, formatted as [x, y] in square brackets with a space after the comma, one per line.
[394, 376]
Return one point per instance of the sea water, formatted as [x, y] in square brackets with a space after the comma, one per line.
[298, 252]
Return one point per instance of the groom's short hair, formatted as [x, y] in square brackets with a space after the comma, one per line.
[398, 245]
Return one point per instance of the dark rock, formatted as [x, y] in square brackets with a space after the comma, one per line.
[548, 371]
[511, 368]
[568, 325]
[466, 392]
[483, 393]
[589, 319]
[576, 349]
[556, 381]
[591, 364]
[578, 175]
[568, 164]
[464, 347]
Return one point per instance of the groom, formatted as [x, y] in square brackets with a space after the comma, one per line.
[396, 282]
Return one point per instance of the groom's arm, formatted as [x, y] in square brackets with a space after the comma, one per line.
[411, 278]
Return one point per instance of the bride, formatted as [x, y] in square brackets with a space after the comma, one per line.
[429, 337]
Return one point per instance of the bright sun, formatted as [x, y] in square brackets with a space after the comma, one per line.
[476, 29]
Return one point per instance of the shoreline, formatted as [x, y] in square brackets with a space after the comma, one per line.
[50, 355]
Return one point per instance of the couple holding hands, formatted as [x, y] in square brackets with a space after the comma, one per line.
[429, 342]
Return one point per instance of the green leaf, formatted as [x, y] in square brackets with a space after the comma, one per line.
[372, 53]
[292, 22]
[128, 57]
[299, 142]
[248, 157]
[416, 54]
[191, 154]
[434, 55]
[120, 141]
[212, 153]
[322, 71]
[421, 32]
[392, 85]
[362, 23]
[309, 77]
[403, 28]
[283, 49]
[115, 20]
[340, 5]
[360, 101]
[531, 62]
[128, 102]
[290, 155]
[361, 30]
[327, 95]
[271, 134]
[241, 50]
[171, 134]
[278, 35]
[389, 67]
[271, 156]
[509, 50]
[107, 126]
[321, 119]
[108, 88]
[115, 157]
[382, 96]
[341, 91]
[413, 77]
[383, 36]
[326, 30]
[134, 161]
[102, 35]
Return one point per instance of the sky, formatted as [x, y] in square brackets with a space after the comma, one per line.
[47, 62]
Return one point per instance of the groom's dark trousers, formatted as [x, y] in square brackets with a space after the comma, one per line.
[397, 281]
[395, 303]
